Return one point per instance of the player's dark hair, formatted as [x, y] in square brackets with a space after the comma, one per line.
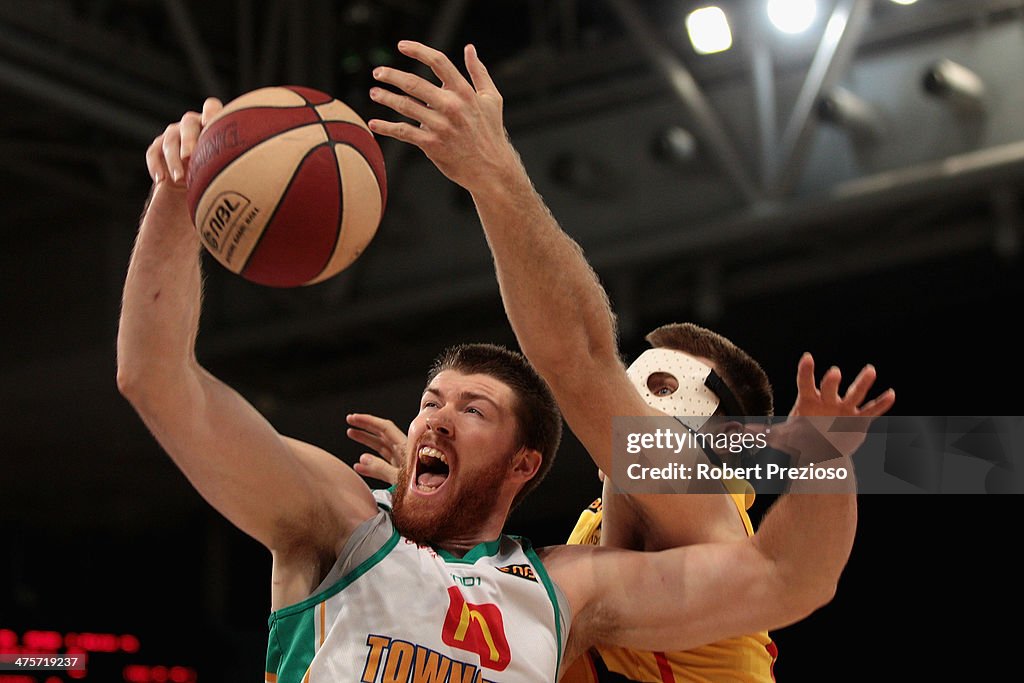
[743, 375]
[539, 422]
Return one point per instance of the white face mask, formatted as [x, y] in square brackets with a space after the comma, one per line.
[692, 401]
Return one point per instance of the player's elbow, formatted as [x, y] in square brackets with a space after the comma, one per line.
[575, 368]
[134, 381]
[139, 393]
[817, 595]
[128, 381]
[149, 386]
[801, 599]
[131, 366]
[551, 360]
[599, 350]
[590, 340]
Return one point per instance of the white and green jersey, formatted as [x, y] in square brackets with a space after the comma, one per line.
[391, 611]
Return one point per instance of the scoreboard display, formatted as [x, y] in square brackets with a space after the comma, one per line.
[38, 656]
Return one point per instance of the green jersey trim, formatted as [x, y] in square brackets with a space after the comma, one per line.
[488, 549]
[345, 581]
[293, 657]
[550, 588]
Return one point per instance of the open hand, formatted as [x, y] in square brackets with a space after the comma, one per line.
[385, 438]
[821, 412]
[812, 401]
[460, 124]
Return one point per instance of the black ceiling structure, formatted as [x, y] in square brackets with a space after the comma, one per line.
[855, 191]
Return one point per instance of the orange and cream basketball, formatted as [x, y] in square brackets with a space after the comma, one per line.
[286, 186]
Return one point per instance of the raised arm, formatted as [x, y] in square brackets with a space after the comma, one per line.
[554, 302]
[290, 496]
[684, 597]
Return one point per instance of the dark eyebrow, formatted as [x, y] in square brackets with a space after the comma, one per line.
[473, 396]
[465, 396]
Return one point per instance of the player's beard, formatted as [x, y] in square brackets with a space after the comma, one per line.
[427, 523]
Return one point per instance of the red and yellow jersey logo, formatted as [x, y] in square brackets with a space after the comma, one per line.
[478, 629]
[523, 571]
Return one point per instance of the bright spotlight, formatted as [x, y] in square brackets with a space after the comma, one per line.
[904, 2]
[792, 16]
[709, 30]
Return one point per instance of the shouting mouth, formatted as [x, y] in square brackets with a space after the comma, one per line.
[431, 469]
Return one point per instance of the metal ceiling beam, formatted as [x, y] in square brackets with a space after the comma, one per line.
[954, 238]
[571, 106]
[866, 257]
[707, 126]
[57, 181]
[323, 44]
[245, 40]
[195, 52]
[357, 315]
[835, 52]
[752, 230]
[67, 33]
[127, 122]
[762, 77]
[297, 35]
[1009, 217]
[808, 271]
[960, 174]
[618, 60]
[94, 76]
[447, 20]
[569, 33]
[271, 43]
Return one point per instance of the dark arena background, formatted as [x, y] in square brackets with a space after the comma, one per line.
[855, 192]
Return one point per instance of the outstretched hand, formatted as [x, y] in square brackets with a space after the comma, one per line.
[385, 438]
[816, 409]
[460, 123]
[812, 401]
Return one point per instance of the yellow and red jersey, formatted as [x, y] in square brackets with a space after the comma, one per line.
[744, 659]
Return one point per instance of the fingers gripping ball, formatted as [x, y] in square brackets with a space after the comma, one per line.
[286, 186]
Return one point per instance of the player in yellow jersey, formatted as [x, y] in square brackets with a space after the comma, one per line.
[691, 371]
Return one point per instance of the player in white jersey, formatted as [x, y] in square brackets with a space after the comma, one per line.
[378, 614]
[484, 432]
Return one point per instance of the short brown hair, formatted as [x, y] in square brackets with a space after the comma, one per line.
[539, 422]
[743, 375]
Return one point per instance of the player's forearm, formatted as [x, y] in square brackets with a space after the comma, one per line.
[160, 308]
[808, 538]
[553, 299]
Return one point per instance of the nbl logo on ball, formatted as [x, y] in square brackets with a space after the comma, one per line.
[221, 222]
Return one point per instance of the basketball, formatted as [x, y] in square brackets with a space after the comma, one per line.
[286, 186]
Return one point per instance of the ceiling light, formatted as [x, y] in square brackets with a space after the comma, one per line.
[675, 145]
[859, 117]
[709, 31]
[957, 84]
[792, 16]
